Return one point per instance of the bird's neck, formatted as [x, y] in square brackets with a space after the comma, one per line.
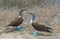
[20, 16]
[32, 20]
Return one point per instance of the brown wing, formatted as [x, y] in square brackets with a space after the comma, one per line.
[40, 27]
[16, 22]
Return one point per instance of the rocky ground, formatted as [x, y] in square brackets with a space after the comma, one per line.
[49, 16]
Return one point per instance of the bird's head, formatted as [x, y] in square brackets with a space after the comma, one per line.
[21, 12]
[32, 17]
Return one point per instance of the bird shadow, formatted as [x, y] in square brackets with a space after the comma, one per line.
[11, 31]
[45, 34]
[42, 34]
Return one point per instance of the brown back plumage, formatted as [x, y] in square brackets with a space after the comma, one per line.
[16, 22]
[41, 27]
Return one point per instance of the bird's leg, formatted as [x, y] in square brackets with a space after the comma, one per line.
[35, 33]
[19, 28]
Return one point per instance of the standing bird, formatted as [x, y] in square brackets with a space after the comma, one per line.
[14, 24]
[37, 26]
[18, 21]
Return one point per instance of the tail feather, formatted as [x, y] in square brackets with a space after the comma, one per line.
[7, 26]
[3, 27]
[50, 28]
[49, 31]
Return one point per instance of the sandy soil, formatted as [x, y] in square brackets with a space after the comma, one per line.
[49, 16]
